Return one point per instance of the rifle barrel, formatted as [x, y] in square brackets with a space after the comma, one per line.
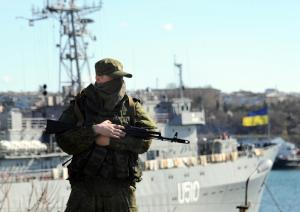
[176, 140]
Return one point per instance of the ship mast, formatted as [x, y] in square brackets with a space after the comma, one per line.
[181, 86]
[73, 59]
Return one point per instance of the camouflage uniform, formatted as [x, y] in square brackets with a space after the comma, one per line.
[103, 177]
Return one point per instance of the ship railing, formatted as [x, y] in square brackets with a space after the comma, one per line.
[189, 161]
[33, 123]
[21, 152]
[254, 152]
[202, 159]
[15, 175]
[162, 117]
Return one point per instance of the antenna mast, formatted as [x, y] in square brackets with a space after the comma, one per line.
[73, 57]
[181, 87]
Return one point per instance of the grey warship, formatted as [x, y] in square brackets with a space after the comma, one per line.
[210, 174]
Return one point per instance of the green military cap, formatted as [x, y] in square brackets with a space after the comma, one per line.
[111, 67]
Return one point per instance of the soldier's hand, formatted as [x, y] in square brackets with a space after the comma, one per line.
[102, 140]
[109, 129]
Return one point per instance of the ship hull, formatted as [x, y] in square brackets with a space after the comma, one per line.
[213, 187]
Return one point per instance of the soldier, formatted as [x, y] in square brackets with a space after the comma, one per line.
[104, 167]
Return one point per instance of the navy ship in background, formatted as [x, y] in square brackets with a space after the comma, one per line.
[210, 174]
[288, 157]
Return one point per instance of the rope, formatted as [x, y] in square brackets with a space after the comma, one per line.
[273, 198]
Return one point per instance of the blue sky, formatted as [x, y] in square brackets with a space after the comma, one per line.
[227, 44]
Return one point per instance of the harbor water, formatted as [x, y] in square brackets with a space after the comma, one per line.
[282, 192]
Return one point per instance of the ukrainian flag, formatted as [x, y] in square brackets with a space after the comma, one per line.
[256, 118]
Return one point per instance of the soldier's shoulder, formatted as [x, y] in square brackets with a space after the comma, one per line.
[80, 98]
[135, 99]
[84, 93]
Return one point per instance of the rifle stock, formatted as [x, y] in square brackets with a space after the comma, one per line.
[56, 127]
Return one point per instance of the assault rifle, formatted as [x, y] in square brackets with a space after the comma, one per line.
[54, 127]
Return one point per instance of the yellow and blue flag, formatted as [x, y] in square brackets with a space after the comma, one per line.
[256, 118]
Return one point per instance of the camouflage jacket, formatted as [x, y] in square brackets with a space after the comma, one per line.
[119, 158]
[81, 138]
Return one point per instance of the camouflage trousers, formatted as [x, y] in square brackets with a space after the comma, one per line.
[94, 196]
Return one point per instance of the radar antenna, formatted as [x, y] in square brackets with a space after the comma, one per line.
[72, 46]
